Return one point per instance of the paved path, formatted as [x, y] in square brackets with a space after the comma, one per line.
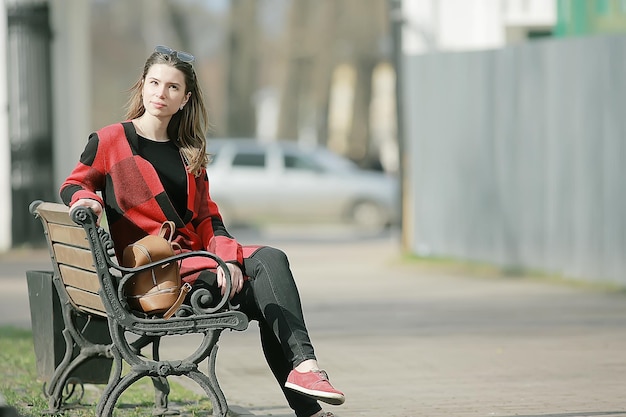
[403, 340]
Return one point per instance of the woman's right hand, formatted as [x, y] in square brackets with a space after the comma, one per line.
[89, 203]
[236, 279]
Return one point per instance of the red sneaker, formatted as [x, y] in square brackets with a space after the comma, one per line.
[315, 384]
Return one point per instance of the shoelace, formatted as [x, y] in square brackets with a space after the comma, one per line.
[324, 376]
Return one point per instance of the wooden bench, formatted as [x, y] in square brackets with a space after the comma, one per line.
[89, 283]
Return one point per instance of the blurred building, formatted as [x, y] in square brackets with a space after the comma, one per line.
[458, 25]
[587, 17]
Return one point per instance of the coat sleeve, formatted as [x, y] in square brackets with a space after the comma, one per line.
[211, 228]
[88, 175]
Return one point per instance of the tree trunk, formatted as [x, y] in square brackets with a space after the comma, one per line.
[242, 84]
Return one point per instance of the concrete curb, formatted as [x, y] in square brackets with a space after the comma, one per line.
[236, 411]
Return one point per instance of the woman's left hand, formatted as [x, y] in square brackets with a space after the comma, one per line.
[236, 278]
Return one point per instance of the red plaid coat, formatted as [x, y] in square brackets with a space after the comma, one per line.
[136, 204]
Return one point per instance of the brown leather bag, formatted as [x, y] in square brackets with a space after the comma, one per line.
[159, 289]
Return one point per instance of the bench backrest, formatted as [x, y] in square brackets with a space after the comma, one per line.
[71, 257]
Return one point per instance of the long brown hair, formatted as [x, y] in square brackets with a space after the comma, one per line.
[188, 127]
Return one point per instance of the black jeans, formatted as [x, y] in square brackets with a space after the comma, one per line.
[271, 297]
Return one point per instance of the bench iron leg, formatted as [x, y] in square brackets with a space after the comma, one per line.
[104, 409]
[161, 387]
[61, 377]
[159, 371]
[209, 382]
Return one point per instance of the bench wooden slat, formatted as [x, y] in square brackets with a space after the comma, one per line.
[71, 235]
[69, 255]
[55, 213]
[86, 299]
[73, 256]
[80, 278]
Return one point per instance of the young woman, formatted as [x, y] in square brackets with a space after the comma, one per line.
[151, 168]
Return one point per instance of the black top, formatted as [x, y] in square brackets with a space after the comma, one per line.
[168, 163]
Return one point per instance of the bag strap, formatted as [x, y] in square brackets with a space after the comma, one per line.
[167, 226]
[186, 287]
[146, 253]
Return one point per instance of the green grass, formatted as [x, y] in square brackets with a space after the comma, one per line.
[23, 391]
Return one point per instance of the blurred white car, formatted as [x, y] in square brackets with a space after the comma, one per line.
[280, 182]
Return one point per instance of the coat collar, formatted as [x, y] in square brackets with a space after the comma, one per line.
[131, 135]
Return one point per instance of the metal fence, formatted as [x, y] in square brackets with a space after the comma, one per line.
[516, 157]
[30, 114]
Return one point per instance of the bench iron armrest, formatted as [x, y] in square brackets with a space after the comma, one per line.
[221, 305]
[101, 245]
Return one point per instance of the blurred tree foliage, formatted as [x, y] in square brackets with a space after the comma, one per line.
[246, 52]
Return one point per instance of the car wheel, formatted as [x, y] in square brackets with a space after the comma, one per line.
[369, 215]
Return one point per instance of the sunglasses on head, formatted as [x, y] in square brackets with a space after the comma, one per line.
[182, 56]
